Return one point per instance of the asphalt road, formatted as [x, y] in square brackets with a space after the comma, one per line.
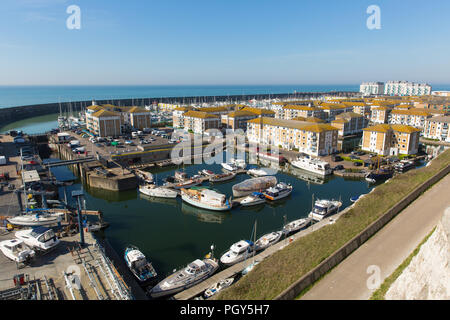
[355, 277]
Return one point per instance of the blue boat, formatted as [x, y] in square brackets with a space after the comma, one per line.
[138, 264]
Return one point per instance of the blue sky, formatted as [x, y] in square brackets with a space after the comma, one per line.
[223, 42]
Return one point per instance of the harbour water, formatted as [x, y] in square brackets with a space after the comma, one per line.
[172, 233]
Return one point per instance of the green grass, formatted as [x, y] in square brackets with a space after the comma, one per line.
[278, 271]
[352, 160]
[380, 293]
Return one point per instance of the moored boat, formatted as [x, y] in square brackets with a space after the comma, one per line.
[280, 191]
[313, 165]
[267, 240]
[206, 199]
[40, 219]
[158, 192]
[222, 177]
[240, 163]
[229, 166]
[222, 284]
[379, 175]
[136, 261]
[296, 225]
[254, 199]
[188, 183]
[194, 273]
[258, 172]
[206, 173]
[237, 252]
[324, 208]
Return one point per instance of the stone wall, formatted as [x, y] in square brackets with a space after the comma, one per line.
[427, 277]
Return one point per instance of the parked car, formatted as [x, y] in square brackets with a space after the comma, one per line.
[338, 167]
[354, 157]
[357, 164]
[336, 158]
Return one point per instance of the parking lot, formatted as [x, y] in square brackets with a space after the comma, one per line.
[121, 145]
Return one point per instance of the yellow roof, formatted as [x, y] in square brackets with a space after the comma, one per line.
[105, 113]
[258, 111]
[240, 113]
[200, 114]
[137, 110]
[412, 112]
[299, 119]
[293, 124]
[314, 119]
[330, 106]
[298, 107]
[348, 115]
[215, 109]
[95, 108]
[394, 127]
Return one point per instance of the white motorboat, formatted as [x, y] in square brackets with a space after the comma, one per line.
[206, 199]
[195, 272]
[258, 172]
[39, 239]
[324, 208]
[138, 264]
[280, 191]
[145, 176]
[254, 199]
[222, 284]
[240, 163]
[267, 240]
[296, 225]
[222, 177]
[40, 219]
[158, 192]
[206, 173]
[313, 165]
[16, 250]
[238, 252]
[229, 166]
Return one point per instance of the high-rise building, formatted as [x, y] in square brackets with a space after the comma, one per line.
[371, 88]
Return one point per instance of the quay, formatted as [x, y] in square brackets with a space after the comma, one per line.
[239, 267]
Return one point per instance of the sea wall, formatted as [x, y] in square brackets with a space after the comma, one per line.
[334, 259]
[8, 115]
[427, 277]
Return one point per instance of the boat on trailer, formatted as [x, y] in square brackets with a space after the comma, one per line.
[16, 250]
[40, 238]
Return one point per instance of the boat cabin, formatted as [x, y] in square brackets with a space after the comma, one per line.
[196, 267]
[241, 246]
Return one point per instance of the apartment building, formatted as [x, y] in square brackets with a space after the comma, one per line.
[237, 119]
[411, 117]
[371, 88]
[105, 123]
[350, 123]
[437, 128]
[317, 139]
[295, 111]
[380, 114]
[405, 88]
[391, 139]
[331, 110]
[198, 121]
[178, 116]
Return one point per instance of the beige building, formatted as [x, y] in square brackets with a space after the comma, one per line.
[104, 123]
[295, 111]
[178, 116]
[380, 114]
[387, 139]
[331, 110]
[317, 139]
[410, 117]
[237, 119]
[199, 122]
[350, 123]
[437, 128]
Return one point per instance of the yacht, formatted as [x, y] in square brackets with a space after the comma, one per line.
[238, 252]
[324, 208]
[206, 172]
[267, 240]
[222, 284]
[379, 175]
[229, 166]
[222, 177]
[181, 176]
[404, 165]
[16, 250]
[296, 225]
[206, 199]
[254, 199]
[313, 165]
[138, 264]
[39, 219]
[240, 163]
[188, 183]
[195, 272]
[39, 239]
[147, 177]
[158, 192]
[258, 172]
[280, 191]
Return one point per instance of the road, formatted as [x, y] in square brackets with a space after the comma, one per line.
[386, 250]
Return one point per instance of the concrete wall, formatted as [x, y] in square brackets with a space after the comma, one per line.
[294, 290]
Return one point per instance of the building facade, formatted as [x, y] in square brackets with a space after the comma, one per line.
[405, 88]
[371, 88]
[410, 117]
[198, 122]
[395, 139]
[350, 123]
[437, 128]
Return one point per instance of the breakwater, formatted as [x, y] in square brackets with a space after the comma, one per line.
[9, 115]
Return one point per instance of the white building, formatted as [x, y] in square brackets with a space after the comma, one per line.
[371, 88]
[405, 88]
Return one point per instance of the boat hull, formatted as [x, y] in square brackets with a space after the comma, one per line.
[159, 193]
[300, 165]
[204, 205]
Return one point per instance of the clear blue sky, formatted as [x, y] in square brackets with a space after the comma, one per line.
[223, 42]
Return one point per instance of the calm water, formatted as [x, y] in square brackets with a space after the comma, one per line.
[172, 233]
[33, 125]
[11, 96]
